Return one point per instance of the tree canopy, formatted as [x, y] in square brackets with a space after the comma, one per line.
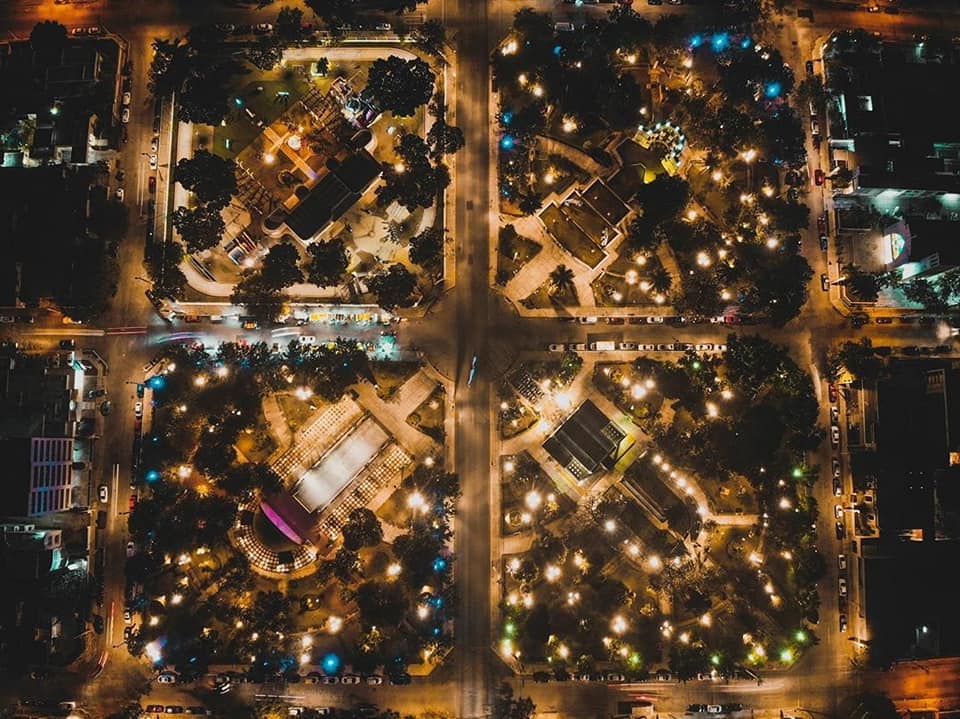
[200, 228]
[393, 287]
[210, 177]
[327, 262]
[400, 86]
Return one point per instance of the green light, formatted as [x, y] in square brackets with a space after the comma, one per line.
[801, 635]
[797, 472]
[510, 629]
[715, 659]
[696, 365]
[786, 656]
[54, 110]
[634, 660]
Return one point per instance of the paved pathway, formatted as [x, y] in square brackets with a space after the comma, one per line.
[276, 421]
[393, 414]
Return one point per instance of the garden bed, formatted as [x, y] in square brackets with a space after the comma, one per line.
[429, 416]
[391, 376]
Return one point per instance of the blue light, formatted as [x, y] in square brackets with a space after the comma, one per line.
[746, 43]
[506, 142]
[557, 50]
[436, 631]
[720, 41]
[330, 663]
[772, 89]
[506, 117]
[156, 382]
[696, 41]
[439, 564]
[153, 475]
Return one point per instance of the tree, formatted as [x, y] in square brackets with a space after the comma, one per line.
[266, 53]
[699, 294]
[663, 199]
[210, 177]
[200, 228]
[335, 13]
[400, 86]
[393, 286]
[561, 279]
[381, 604]
[862, 286]
[431, 36]
[327, 262]
[47, 40]
[169, 66]
[289, 22]
[261, 300]
[413, 182]
[426, 249]
[787, 216]
[442, 139]
[362, 529]
[163, 268]
[660, 280]
[281, 266]
[506, 706]
[529, 203]
[344, 565]
[858, 358]
[416, 553]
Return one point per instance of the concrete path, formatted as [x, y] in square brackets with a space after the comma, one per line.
[393, 414]
[276, 421]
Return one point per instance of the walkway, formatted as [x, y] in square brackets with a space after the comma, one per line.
[393, 414]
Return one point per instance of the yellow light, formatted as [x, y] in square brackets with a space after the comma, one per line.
[222, 371]
[334, 624]
[306, 641]
[522, 79]
[415, 501]
[562, 651]
[399, 168]
[269, 158]
[654, 562]
[176, 599]
[684, 637]
[716, 175]
[706, 620]
[305, 658]
[552, 573]
[393, 570]
[200, 380]
[618, 625]
[537, 90]
[422, 611]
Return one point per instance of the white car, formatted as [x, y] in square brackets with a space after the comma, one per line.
[138, 409]
[714, 709]
[125, 99]
[655, 320]
[119, 194]
[842, 586]
[835, 436]
[153, 161]
[154, 144]
[374, 680]
[842, 562]
[167, 678]
[330, 679]
[705, 347]
[720, 347]
[588, 320]
[131, 549]
[349, 679]
[578, 346]
[648, 348]
[384, 27]
[127, 617]
[556, 347]
[103, 493]
[307, 339]
[627, 346]
[125, 115]
[838, 511]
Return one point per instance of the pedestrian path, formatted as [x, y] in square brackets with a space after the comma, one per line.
[393, 414]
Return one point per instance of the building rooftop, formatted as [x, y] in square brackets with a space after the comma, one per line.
[332, 195]
[584, 441]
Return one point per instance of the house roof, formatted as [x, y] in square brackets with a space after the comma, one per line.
[584, 440]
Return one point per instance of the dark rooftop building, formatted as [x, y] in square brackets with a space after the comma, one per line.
[906, 596]
[886, 118]
[331, 196]
[585, 441]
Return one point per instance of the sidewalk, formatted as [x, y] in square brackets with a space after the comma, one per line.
[393, 414]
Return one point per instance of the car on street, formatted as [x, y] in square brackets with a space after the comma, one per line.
[655, 320]
[384, 27]
[832, 392]
[138, 409]
[132, 502]
[555, 347]
[154, 709]
[704, 347]
[835, 467]
[152, 184]
[818, 177]
[103, 493]
[400, 679]
[349, 679]
[884, 320]
[374, 680]
[579, 346]
[841, 530]
[843, 622]
[842, 562]
[838, 511]
[648, 348]
[174, 709]
[842, 586]
[330, 679]
[627, 346]
[125, 99]
[119, 194]
[814, 127]
[696, 708]
[714, 709]
[615, 677]
[152, 158]
[588, 320]
[263, 28]
[835, 436]
[167, 678]
[125, 115]
[808, 65]
[834, 414]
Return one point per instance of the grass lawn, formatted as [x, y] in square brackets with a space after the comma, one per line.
[515, 417]
[395, 511]
[571, 237]
[239, 131]
[619, 284]
[514, 252]
[428, 417]
[391, 376]
[296, 411]
[543, 297]
[730, 496]
[609, 378]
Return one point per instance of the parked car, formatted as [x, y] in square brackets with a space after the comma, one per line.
[588, 320]
[153, 161]
[835, 436]
[131, 549]
[818, 177]
[841, 530]
[578, 346]
[400, 679]
[103, 493]
[125, 115]
[655, 320]
[152, 184]
[330, 679]
[832, 392]
[714, 709]
[648, 348]
[374, 680]
[138, 409]
[384, 27]
[843, 622]
[556, 347]
[842, 586]
[627, 346]
[834, 414]
[119, 194]
[263, 28]
[838, 511]
[154, 144]
[350, 679]
[842, 562]
[704, 347]
[125, 99]
[615, 677]
[167, 678]
[823, 242]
